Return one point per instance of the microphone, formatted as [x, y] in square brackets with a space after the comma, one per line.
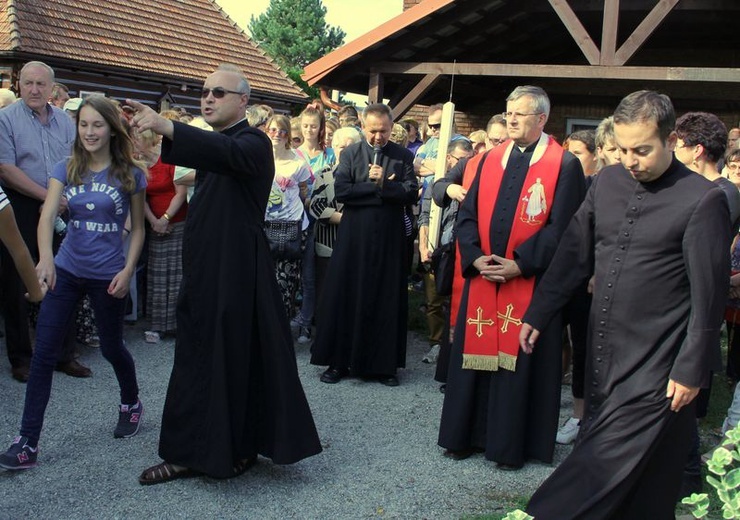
[377, 152]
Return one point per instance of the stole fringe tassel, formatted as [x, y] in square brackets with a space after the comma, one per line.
[489, 363]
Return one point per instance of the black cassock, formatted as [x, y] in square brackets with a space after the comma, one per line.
[364, 306]
[661, 281]
[234, 390]
[512, 416]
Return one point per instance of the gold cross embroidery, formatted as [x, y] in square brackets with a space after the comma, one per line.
[508, 319]
[479, 322]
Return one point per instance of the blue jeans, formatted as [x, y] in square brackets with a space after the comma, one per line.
[308, 280]
[57, 312]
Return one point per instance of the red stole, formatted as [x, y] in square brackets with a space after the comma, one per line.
[494, 310]
[471, 169]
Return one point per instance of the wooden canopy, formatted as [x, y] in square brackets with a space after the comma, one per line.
[601, 50]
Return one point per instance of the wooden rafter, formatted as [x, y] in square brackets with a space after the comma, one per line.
[644, 30]
[609, 32]
[414, 94]
[375, 91]
[576, 30]
[728, 75]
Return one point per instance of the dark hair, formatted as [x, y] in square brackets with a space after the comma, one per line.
[587, 137]
[705, 129]
[646, 106]
[408, 123]
[347, 110]
[121, 147]
[460, 144]
[378, 110]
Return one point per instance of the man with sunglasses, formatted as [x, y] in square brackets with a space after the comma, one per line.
[234, 391]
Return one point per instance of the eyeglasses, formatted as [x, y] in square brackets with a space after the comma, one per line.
[218, 92]
[276, 131]
[496, 142]
[298, 140]
[517, 115]
[457, 159]
[434, 126]
[733, 166]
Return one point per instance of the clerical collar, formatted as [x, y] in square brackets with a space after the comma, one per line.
[527, 149]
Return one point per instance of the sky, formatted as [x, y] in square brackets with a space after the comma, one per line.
[355, 17]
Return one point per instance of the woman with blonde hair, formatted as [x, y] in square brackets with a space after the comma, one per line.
[286, 222]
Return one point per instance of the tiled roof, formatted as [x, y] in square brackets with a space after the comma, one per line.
[184, 39]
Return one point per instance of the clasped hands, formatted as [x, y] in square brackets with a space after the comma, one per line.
[496, 268]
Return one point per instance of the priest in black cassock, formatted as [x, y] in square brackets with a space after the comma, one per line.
[234, 391]
[363, 310]
[655, 235]
[499, 401]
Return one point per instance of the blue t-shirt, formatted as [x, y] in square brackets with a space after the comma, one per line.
[93, 247]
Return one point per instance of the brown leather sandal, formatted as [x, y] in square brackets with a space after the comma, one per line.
[164, 472]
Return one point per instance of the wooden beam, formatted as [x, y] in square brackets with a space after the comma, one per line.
[375, 91]
[609, 32]
[410, 99]
[644, 30]
[708, 74]
[576, 30]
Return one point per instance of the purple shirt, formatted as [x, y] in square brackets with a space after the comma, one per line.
[93, 247]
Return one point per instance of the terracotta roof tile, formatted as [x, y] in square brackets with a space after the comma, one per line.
[185, 39]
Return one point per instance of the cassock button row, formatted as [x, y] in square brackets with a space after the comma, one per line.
[601, 334]
[602, 323]
[634, 208]
[592, 395]
[598, 360]
[594, 383]
[626, 233]
[617, 259]
[606, 298]
[603, 309]
[596, 371]
[600, 347]
[610, 285]
[622, 248]
[614, 271]
[631, 221]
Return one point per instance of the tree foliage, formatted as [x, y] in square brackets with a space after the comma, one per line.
[294, 32]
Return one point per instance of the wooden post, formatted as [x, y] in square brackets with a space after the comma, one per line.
[375, 92]
[440, 168]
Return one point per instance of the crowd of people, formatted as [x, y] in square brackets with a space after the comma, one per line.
[274, 228]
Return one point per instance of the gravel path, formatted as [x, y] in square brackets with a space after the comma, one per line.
[380, 454]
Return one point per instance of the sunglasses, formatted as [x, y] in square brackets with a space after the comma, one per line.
[277, 131]
[217, 92]
[435, 126]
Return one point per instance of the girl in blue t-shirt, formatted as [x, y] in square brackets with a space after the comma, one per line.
[102, 184]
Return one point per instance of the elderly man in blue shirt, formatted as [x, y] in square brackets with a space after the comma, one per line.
[34, 136]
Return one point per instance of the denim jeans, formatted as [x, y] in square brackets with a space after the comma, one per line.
[57, 311]
[308, 280]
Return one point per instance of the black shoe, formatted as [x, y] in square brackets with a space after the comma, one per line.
[509, 467]
[21, 373]
[333, 375]
[388, 380]
[458, 454]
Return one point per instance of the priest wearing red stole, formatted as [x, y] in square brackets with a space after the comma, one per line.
[498, 400]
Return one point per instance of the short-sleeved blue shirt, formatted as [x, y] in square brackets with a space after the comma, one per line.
[93, 247]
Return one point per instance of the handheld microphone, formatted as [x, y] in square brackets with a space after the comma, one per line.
[377, 152]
